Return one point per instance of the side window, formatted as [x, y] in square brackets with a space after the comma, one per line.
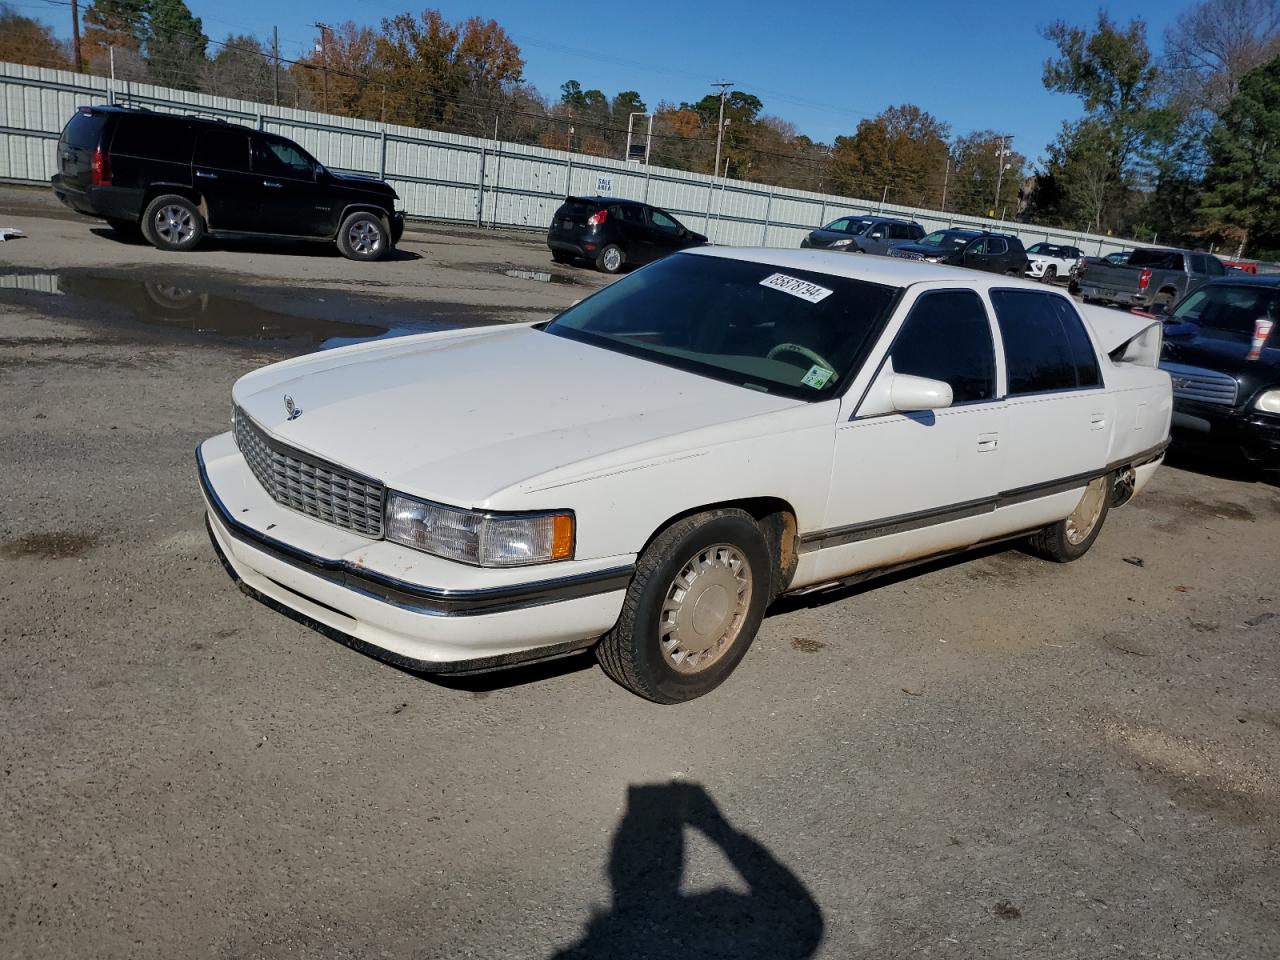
[1046, 347]
[154, 138]
[279, 158]
[1197, 264]
[224, 150]
[1175, 262]
[632, 214]
[948, 337]
[1216, 269]
[663, 222]
[899, 231]
[978, 246]
[997, 246]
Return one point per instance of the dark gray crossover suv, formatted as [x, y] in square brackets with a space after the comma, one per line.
[863, 234]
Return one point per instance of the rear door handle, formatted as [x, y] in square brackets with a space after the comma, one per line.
[206, 176]
[988, 442]
[271, 183]
[1097, 421]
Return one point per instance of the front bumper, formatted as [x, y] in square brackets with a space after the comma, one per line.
[1245, 434]
[431, 614]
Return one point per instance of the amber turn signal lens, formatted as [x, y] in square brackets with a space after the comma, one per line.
[562, 536]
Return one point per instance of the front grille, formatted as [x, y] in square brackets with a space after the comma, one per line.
[308, 485]
[1203, 386]
[905, 254]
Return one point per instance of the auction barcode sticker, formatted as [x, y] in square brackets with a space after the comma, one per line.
[796, 287]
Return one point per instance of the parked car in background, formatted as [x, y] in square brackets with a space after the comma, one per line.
[863, 234]
[178, 179]
[1151, 277]
[1222, 350]
[613, 233]
[1120, 256]
[1052, 261]
[1244, 266]
[975, 249]
[663, 459]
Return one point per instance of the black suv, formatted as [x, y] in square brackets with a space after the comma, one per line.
[612, 233]
[863, 234]
[177, 178]
[976, 249]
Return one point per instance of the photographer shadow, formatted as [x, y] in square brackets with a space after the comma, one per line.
[777, 918]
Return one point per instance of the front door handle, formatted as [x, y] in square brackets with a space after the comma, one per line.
[1097, 421]
[988, 442]
[271, 183]
[206, 176]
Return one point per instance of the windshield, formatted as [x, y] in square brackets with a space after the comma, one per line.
[791, 332]
[844, 225]
[947, 239]
[1231, 313]
[1049, 250]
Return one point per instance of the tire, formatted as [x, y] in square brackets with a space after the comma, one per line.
[172, 222]
[1163, 299]
[729, 548]
[1066, 540]
[363, 236]
[610, 259]
[1050, 274]
[560, 256]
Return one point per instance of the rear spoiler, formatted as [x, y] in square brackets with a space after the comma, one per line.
[1126, 337]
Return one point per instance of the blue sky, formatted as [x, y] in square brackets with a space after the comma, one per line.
[821, 65]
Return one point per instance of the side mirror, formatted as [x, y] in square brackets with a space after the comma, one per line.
[904, 393]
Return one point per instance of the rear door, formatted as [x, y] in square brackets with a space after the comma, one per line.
[1057, 411]
[293, 202]
[633, 232]
[224, 176]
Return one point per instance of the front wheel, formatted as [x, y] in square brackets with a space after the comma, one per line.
[172, 222]
[1070, 539]
[363, 236]
[693, 608]
[1050, 274]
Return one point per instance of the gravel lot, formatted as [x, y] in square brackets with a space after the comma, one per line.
[989, 757]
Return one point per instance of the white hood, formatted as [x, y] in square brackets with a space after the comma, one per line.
[460, 416]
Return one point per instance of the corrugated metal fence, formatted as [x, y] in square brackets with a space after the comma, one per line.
[443, 176]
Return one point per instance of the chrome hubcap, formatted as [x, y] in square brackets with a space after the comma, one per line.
[1085, 516]
[612, 259]
[174, 224]
[364, 237]
[705, 607]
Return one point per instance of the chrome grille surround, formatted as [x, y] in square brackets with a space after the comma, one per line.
[1201, 385]
[309, 485]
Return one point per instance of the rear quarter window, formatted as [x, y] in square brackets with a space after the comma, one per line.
[84, 130]
[155, 138]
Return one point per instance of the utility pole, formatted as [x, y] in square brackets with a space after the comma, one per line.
[1000, 170]
[324, 60]
[75, 35]
[724, 86]
[275, 60]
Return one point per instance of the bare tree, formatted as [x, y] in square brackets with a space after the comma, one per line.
[1214, 44]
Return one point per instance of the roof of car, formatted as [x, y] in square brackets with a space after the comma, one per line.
[890, 271]
[635, 203]
[1248, 280]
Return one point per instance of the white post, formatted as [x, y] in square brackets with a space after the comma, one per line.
[111, 88]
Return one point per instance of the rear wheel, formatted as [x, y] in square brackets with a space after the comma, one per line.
[610, 259]
[693, 608]
[363, 236]
[1163, 299]
[172, 222]
[1070, 539]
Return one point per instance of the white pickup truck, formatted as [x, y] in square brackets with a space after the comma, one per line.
[646, 473]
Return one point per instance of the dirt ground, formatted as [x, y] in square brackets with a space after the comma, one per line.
[987, 757]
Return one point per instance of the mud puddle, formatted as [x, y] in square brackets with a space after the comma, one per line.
[185, 306]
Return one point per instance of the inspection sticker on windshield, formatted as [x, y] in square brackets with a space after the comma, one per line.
[817, 376]
[797, 288]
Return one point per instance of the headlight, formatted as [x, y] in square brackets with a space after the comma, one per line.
[1269, 402]
[483, 539]
[934, 259]
[841, 243]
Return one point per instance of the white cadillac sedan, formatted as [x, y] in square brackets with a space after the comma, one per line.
[646, 472]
